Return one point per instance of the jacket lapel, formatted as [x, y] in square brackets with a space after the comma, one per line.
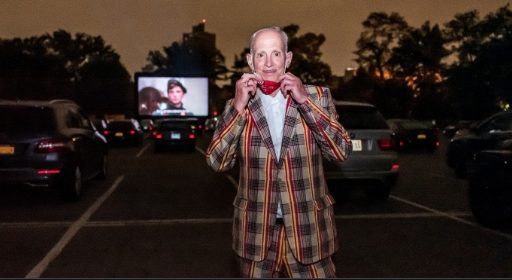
[256, 110]
[290, 118]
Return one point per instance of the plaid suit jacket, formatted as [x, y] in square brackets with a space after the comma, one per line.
[311, 130]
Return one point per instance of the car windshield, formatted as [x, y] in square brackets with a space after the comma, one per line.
[174, 125]
[410, 124]
[26, 119]
[361, 117]
[120, 125]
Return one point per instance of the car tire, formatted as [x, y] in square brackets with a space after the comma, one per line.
[72, 186]
[487, 206]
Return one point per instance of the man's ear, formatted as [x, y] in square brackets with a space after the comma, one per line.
[289, 56]
[248, 57]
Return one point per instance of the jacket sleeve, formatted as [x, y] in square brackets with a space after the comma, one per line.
[222, 151]
[320, 115]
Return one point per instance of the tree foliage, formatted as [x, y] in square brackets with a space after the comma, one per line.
[60, 65]
[380, 34]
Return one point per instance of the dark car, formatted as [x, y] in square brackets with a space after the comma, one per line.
[170, 133]
[49, 144]
[412, 134]
[124, 132]
[490, 185]
[485, 135]
[374, 158]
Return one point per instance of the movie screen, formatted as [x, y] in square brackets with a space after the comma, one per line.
[172, 96]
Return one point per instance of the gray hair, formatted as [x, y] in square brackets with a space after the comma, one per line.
[277, 29]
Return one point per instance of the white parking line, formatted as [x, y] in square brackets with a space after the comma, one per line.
[38, 270]
[143, 150]
[452, 217]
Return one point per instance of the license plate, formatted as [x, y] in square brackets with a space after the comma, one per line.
[421, 136]
[175, 135]
[356, 145]
[6, 150]
[119, 134]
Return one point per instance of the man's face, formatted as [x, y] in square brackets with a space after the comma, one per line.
[268, 57]
[175, 94]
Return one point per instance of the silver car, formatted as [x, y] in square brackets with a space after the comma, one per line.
[374, 158]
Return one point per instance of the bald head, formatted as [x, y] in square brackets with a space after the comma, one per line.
[276, 29]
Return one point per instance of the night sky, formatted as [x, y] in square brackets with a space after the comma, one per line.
[134, 27]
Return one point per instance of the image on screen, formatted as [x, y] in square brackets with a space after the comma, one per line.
[172, 96]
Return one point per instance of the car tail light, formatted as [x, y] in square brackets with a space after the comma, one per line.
[106, 132]
[200, 126]
[395, 167]
[191, 136]
[48, 171]
[52, 146]
[158, 135]
[385, 144]
[132, 132]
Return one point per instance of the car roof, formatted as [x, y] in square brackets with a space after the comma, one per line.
[37, 103]
[352, 103]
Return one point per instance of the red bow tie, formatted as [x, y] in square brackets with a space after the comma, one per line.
[268, 87]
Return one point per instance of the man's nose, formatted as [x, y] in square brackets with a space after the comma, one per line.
[268, 61]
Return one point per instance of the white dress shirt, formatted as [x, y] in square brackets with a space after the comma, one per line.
[274, 109]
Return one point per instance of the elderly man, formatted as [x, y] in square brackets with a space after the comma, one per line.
[279, 129]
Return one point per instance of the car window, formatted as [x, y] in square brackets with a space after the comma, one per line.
[29, 119]
[501, 123]
[361, 117]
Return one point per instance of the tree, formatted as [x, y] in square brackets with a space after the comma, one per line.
[374, 47]
[196, 54]
[417, 60]
[479, 80]
[53, 66]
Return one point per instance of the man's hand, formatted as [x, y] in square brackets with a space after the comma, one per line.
[293, 85]
[245, 88]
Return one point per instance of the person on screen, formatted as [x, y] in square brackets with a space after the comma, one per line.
[149, 99]
[173, 105]
[279, 129]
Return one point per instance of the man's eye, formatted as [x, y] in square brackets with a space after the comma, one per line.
[277, 54]
[260, 55]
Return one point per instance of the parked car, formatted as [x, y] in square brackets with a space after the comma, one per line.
[210, 124]
[490, 185]
[147, 124]
[451, 129]
[99, 124]
[177, 132]
[412, 134]
[124, 132]
[374, 157]
[485, 135]
[49, 144]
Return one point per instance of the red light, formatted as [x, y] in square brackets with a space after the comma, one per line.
[385, 144]
[395, 167]
[158, 136]
[48, 171]
[191, 136]
[106, 132]
[132, 132]
[215, 113]
[200, 127]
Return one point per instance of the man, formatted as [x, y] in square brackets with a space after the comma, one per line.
[173, 104]
[279, 129]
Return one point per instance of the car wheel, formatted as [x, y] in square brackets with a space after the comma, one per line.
[488, 207]
[72, 186]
